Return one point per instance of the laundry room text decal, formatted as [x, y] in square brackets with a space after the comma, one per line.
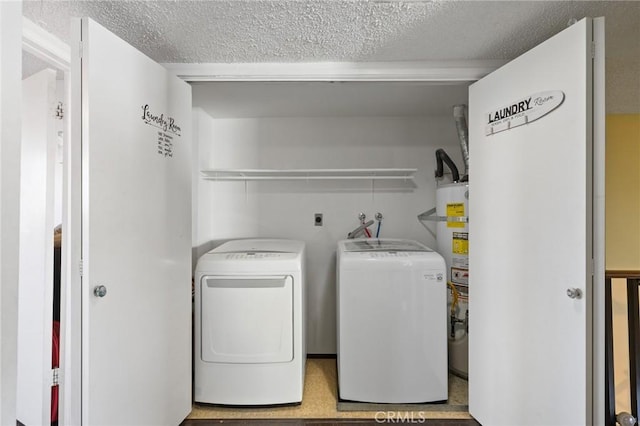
[167, 129]
[165, 144]
[523, 111]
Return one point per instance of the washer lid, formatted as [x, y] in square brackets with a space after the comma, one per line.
[372, 245]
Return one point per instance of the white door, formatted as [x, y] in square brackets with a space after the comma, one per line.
[532, 220]
[35, 295]
[134, 119]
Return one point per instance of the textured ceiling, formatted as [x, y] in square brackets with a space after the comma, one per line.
[317, 31]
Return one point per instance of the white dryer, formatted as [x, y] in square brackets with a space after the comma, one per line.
[392, 322]
[249, 323]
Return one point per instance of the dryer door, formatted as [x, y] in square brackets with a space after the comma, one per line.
[247, 319]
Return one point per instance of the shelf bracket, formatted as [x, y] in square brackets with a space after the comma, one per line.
[430, 215]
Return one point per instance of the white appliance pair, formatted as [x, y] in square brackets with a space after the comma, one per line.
[250, 322]
[392, 322]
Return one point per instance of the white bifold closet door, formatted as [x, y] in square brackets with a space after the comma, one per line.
[35, 293]
[132, 119]
[535, 245]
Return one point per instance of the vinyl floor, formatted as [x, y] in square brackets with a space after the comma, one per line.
[320, 406]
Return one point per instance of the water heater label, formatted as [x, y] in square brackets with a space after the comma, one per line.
[460, 261]
[455, 210]
[460, 276]
[523, 111]
[460, 243]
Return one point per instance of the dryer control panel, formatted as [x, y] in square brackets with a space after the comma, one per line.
[255, 255]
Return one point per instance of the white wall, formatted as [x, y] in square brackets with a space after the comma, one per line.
[222, 210]
[285, 209]
[10, 122]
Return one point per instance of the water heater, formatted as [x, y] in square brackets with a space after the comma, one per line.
[452, 234]
[451, 215]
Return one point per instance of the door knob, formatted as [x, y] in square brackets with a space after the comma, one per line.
[99, 291]
[574, 293]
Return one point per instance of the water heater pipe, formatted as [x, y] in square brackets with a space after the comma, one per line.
[459, 114]
[441, 156]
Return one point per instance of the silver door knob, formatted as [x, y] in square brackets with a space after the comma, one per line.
[574, 293]
[626, 419]
[99, 291]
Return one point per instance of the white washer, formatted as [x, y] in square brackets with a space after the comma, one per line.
[392, 322]
[249, 323]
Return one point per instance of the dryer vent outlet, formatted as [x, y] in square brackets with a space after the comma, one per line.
[317, 219]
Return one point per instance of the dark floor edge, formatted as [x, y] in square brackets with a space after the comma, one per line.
[328, 422]
[359, 406]
[322, 356]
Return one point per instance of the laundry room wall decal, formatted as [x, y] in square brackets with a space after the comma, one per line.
[166, 123]
[523, 111]
[168, 126]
